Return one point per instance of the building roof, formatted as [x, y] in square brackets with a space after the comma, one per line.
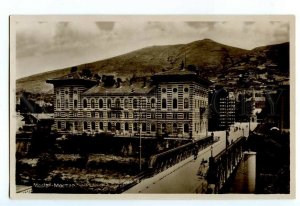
[124, 89]
[178, 74]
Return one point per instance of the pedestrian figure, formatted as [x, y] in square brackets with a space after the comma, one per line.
[196, 150]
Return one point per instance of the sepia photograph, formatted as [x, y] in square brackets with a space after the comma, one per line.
[152, 106]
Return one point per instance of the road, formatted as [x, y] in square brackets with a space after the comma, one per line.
[187, 176]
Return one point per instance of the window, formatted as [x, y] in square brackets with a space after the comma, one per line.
[135, 128]
[75, 103]
[66, 92]
[109, 126]
[144, 115]
[186, 89]
[135, 115]
[93, 126]
[186, 103]
[84, 103]
[67, 103]
[118, 126]
[174, 128]
[100, 103]
[175, 90]
[153, 127]
[174, 103]
[163, 90]
[92, 103]
[186, 115]
[175, 116]
[75, 92]
[153, 116]
[118, 115]
[101, 125]
[152, 103]
[85, 125]
[164, 116]
[108, 114]
[76, 125]
[126, 115]
[109, 103]
[58, 103]
[135, 104]
[126, 103]
[126, 126]
[117, 105]
[186, 128]
[101, 114]
[58, 125]
[57, 92]
[93, 114]
[144, 127]
[163, 128]
[164, 103]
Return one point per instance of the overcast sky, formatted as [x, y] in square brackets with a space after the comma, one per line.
[42, 46]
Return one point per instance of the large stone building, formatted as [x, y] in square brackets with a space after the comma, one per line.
[173, 103]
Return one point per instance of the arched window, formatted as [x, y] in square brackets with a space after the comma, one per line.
[109, 126]
[174, 128]
[186, 103]
[58, 125]
[118, 126]
[93, 126]
[76, 125]
[84, 103]
[101, 125]
[174, 103]
[164, 103]
[144, 127]
[58, 103]
[126, 103]
[163, 128]
[152, 103]
[85, 125]
[135, 104]
[100, 103]
[92, 103]
[109, 103]
[67, 103]
[117, 104]
[153, 127]
[126, 126]
[186, 128]
[143, 101]
[135, 127]
[75, 103]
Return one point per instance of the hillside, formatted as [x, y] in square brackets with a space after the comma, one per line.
[205, 54]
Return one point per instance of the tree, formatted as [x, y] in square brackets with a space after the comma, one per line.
[74, 69]
[86, 73]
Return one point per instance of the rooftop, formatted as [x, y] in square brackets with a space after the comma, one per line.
[125, 88]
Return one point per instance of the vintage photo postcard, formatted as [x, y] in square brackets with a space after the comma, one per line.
[152, 107]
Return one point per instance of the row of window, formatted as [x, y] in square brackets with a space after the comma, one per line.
[126, 115]
[164, 90]
[117, 126]
[59, 104]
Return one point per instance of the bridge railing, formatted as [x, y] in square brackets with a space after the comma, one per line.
[162, 161]
[223, 165]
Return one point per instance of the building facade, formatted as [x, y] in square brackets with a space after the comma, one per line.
[173, 104]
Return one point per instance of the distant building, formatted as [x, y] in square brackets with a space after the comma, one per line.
[173, 103]
[222, 109]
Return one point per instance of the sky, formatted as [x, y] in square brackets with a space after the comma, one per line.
[48, 45]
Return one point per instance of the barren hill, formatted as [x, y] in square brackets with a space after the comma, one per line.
[203, 54]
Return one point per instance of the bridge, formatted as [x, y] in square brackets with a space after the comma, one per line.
[183, 173]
